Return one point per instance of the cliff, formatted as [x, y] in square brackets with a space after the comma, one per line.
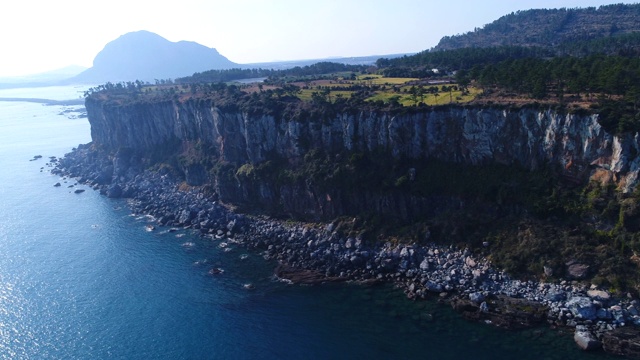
[529, 138]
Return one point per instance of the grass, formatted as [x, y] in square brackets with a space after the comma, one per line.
[443, 98]
[380, 80]
[387, 89]
[305, 94]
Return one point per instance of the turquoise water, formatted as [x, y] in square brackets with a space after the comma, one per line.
[80, 278]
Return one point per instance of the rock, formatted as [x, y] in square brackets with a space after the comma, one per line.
[582, 307]
[623, 341]
[186, 216]
[586, 340]
[477, 274]
[578, 271]
[424, 265]
[433, 286]
[78, 191]
[484, 307]
[114, 191]
[470, 262]
[350, 243]
[503, 311]
[57, 184]
[555, 295]
[303, 276]
[603, 314]
[476, 297]
[599, 295]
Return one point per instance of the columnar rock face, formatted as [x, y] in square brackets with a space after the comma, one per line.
[530, 138]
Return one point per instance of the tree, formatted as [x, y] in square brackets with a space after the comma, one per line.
[414, 94]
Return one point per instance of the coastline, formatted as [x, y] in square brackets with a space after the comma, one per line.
[313, 253]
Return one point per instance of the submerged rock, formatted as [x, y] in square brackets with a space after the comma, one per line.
[503, 311]
[304, 276]
[624, 341]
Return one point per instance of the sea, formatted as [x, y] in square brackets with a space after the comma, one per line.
[81, 277]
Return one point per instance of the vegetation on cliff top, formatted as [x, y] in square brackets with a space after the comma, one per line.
[563, 31]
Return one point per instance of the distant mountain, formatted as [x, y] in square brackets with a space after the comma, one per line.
[42, 79]
[146, 56]
[554, 29]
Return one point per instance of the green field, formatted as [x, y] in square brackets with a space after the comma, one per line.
[388, 89]
[439, 98]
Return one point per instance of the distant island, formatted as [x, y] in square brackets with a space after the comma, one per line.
[146, 56]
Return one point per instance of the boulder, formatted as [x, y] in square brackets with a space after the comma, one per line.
[476, 297]
[578, 271]
[555, 295]
[586, 340]
[424, 265]
[581, 307]
[599, 295]
[470, 262]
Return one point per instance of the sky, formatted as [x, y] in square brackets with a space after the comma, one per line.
[43, 35]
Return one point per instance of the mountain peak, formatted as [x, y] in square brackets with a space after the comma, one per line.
[143, 55]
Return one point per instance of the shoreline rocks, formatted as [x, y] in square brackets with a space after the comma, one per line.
[313, 253]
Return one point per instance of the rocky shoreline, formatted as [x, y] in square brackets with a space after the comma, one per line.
[311, 253]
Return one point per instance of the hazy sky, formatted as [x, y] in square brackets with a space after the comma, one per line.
[41, 35]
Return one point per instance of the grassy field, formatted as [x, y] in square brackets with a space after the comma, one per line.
[380, 80]
[439, 98]
[388, 89]
[305, 94]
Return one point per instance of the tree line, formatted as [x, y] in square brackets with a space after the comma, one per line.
[228, 75]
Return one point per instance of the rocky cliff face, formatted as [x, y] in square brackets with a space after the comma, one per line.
[530, 138]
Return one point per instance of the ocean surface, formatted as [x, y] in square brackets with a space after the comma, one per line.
[81, 278]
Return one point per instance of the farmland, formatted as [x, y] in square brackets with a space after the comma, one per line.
[404, 91]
